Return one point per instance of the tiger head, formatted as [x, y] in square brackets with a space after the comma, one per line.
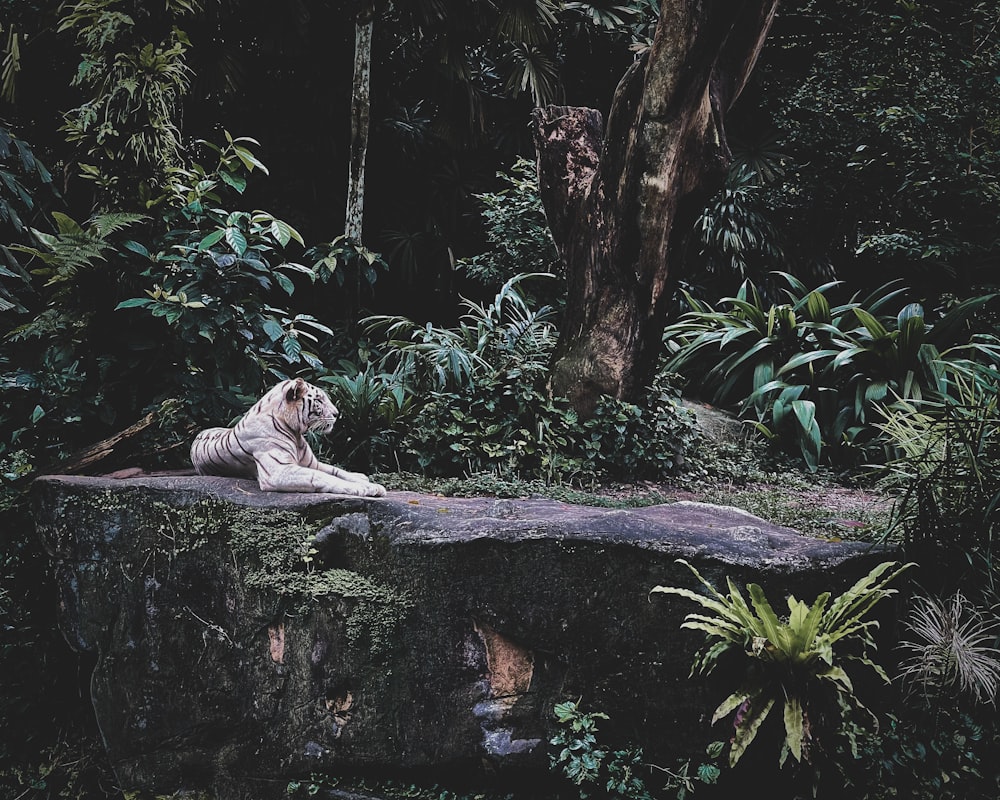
[307, 407]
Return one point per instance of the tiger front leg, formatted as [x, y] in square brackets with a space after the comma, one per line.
[343, 474]
[294, 478]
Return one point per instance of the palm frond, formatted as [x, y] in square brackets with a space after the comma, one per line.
[532, 69]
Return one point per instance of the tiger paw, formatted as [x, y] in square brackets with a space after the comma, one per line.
[353, 477]
[374, 490]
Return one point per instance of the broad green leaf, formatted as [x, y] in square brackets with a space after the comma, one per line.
[273, 329]
[770, 624]
[796, 285]
[872, 325]
[236, 240]
[802, 359]
[134, 302]
[805, 413]
[67, 225]
[741, 610]
[213, 238]
[137, 248]
[237, 182]
[250, 161]
[763, 373]
[794, 728]
[908, 312]
[808, 626]
[292, 347]
[911, 338]
[762, 392]
[281, 231]
[730, 704]
[818, 307]
[837, 675]
[746, 731]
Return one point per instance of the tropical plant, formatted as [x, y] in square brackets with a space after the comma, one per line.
[939, 739]
[796, 663]
[813, 373]
[597, 770]
[517, 231]
[944, 471]
[736, 239]
[485, 406]
[506, 334]
[217, 277]
[74, 247]
[375, 413]
[952, 649]
[128, 127]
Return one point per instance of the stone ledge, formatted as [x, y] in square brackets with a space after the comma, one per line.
[243, 635]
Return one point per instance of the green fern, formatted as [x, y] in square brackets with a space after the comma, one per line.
[791, 661]
[74, 247]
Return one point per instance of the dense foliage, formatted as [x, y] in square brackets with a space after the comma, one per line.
[944, 470]
[145, 291]
[872, 131]
[814, 373]
[472, 399]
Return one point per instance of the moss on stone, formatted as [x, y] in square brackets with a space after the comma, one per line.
[272, 546]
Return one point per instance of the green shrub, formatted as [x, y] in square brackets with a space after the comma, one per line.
[216, 278]
[375, 413]
[924, 753]
[810, 374]
[940, 740]
[944, 471]
[483, 404]
[598, 771]
[517, 230]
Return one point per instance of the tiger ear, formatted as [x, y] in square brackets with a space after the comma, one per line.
[296, 391]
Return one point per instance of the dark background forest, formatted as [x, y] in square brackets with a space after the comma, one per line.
[143, 289]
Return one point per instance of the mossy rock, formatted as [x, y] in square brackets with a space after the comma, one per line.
[245, 639]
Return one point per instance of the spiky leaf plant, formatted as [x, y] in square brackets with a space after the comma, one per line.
[793, 662]
[945, 471]
[952, 649]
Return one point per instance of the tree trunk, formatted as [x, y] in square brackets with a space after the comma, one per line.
[360, 115]
[621, 203]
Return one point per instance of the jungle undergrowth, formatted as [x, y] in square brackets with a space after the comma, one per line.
[744, 474]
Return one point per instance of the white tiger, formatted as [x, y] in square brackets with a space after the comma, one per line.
[268, 444]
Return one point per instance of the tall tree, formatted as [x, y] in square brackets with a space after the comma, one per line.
[360, 118]
[621, 200]
[360, 115]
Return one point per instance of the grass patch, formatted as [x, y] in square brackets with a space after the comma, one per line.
[747, 475]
